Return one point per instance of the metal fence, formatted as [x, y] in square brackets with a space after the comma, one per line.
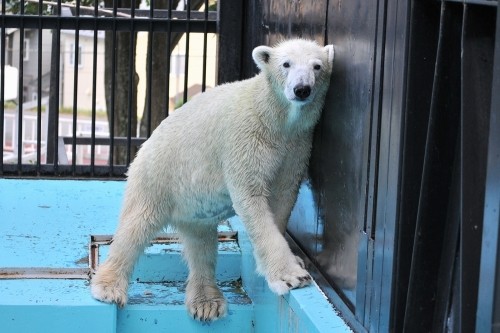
[84, 83]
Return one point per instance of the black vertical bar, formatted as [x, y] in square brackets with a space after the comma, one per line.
[186, 56]
[57, 56]
[366, 296]
[75, 89]
[488, 308]
[20, 93]
[53, 125]
[205, 42]
[2, 84]
[149, 88]
[230, 32]
[94, 92]
[113, 91]
[169, 56]
[436, 180]
[424, 26]
[131, 81]
[477, 68]
[39, 94]
[448, 308]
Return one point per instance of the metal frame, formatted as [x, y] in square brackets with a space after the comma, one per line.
[96, 241]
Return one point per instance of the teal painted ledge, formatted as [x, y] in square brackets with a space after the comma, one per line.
[47, 224]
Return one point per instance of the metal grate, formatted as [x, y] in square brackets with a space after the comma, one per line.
[83, 84]
[13, 273]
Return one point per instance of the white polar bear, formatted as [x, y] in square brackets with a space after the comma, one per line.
[241, 147]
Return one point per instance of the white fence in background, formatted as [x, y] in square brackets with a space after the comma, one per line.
[30, 132]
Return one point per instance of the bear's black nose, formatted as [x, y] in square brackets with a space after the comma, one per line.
[302, 92]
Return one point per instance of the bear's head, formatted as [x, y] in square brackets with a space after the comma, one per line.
[299, 68]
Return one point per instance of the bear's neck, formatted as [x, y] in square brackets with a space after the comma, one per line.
[285, 115]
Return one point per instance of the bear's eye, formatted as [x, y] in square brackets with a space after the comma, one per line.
[286, 64]
[317, 67]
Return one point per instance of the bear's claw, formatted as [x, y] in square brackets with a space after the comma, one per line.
[109, 294]
[107, 287]
[207, 310]
[288, 282]
[291, 277]
[204, 300]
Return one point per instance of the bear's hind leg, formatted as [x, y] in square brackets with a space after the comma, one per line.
[204, 300]
[136, 229]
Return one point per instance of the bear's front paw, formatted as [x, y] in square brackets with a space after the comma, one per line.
[205, 302]
[289, 277]
[207, 309]
[109, 288]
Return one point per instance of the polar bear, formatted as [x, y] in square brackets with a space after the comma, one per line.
[241, 148]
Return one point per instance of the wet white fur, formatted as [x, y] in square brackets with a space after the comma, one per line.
[241, 147]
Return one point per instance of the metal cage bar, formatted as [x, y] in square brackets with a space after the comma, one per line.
[2, 82]
[186, 59]
[94, 93]
[169, 40]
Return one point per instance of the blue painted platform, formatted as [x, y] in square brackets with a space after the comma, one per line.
[45, 231]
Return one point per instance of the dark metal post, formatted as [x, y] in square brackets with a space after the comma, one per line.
[230, 30]
[52, 127]
[488, 304]
[53, 99]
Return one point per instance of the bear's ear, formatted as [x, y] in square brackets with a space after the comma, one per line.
[330, 53]
[261, 55]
